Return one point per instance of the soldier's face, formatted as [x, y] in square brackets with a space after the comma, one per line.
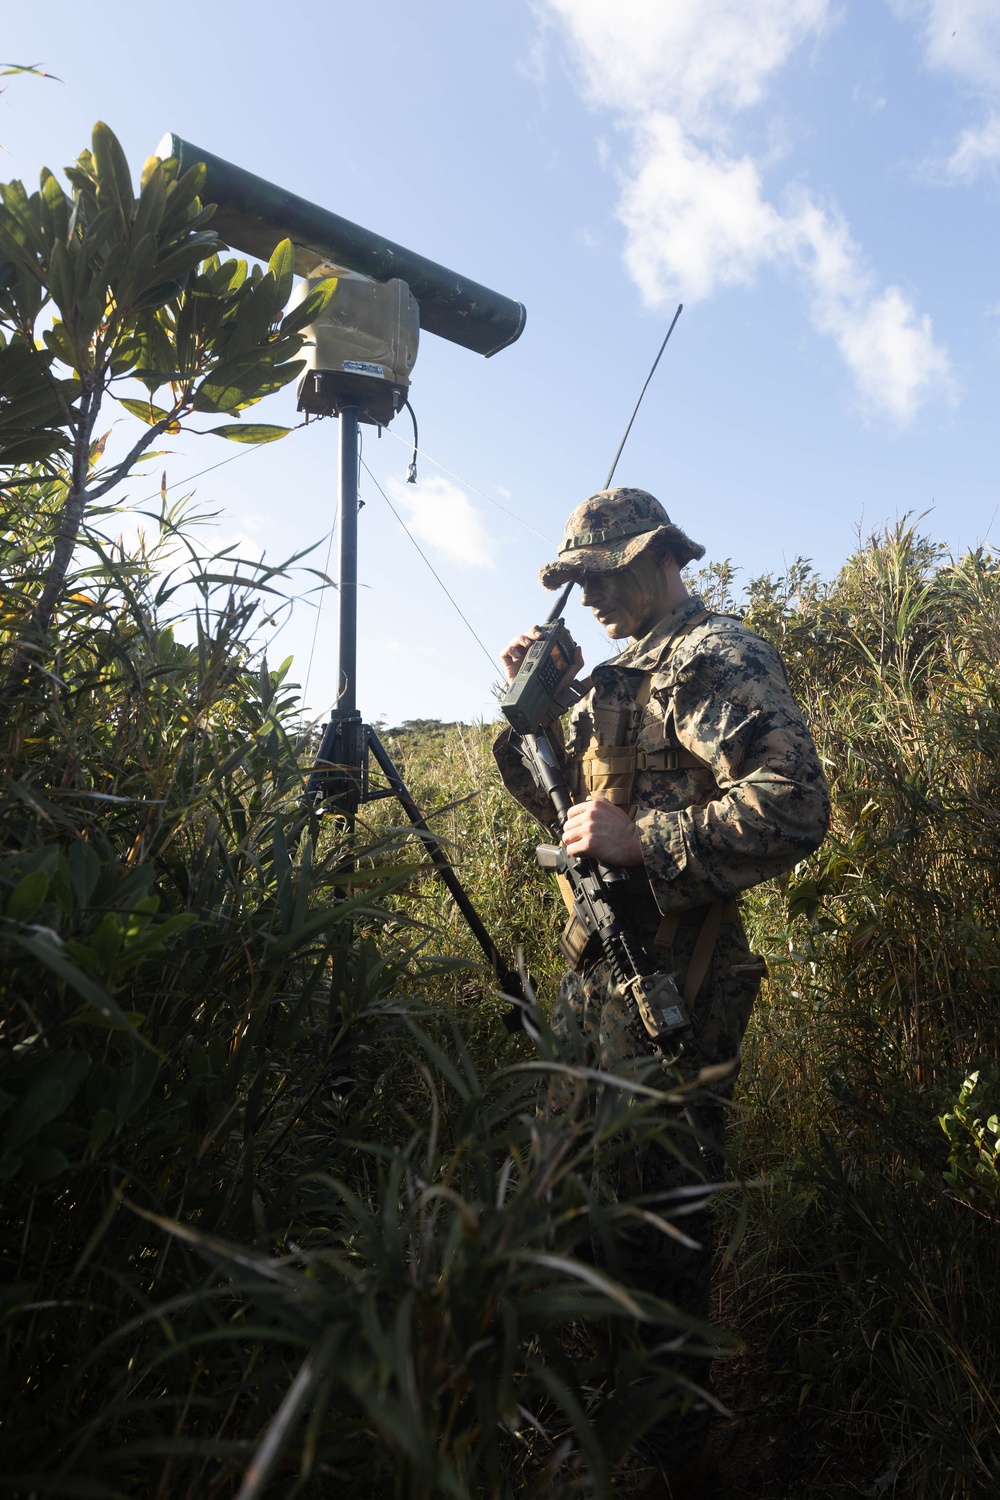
[626, 602]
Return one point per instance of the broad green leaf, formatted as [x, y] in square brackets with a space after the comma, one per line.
[227, 278]
[158, 296]
[179, 262]
[282, 268]
[310, 307]
[48, 952]
[55, 206]
[136, 272]
[258, 432]
[31, 450]
[152, 199]
[182, 199]
[27, 896]
[145, 411]
[43, 1103]
[114, 179]
[233, 383]
[63, 284]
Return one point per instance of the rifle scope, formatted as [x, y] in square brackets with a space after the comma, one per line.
[254, 216]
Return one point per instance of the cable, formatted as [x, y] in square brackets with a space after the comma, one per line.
[489, 657]
[411, 473]
[474, 488]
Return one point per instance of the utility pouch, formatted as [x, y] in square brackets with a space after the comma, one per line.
[608, 772]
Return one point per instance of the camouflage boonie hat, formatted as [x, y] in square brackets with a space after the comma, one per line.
[609, 531]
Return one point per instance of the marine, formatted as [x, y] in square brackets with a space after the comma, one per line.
[693, 770]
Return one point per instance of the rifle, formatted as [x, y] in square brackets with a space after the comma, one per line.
[633, 967]
[540, 693]
[535, 699]
[595, 889]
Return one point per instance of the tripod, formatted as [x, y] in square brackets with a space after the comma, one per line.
[340, 778]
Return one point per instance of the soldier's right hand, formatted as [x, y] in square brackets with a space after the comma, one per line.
[517, 650]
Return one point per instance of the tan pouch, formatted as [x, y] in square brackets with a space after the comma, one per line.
[608, 772]
[573, 943]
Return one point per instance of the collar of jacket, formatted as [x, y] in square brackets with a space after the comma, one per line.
[646, 654]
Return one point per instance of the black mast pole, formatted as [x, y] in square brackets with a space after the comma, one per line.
[340, 775]
[347, 683]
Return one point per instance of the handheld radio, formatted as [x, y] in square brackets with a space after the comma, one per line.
[543, 688]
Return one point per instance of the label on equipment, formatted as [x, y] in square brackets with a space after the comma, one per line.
[361, 367]
[671, 1015]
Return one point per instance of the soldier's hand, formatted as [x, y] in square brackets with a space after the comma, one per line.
[518, 649]
[602, 831]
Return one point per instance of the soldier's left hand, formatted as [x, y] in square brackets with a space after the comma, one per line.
[602, 831]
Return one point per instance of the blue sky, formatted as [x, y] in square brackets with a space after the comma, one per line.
[817, 182]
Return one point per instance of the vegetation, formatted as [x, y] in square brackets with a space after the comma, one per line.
[260, 1230]
[278, 1212]
[871, 1092]
[867, 1118]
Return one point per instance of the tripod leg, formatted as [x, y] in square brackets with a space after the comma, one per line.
[509, 979]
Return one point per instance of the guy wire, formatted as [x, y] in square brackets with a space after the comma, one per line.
[474, 488]
[491, 659]
[319, 606]
[245, 448]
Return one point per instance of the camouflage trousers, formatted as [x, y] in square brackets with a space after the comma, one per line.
[596, 1027]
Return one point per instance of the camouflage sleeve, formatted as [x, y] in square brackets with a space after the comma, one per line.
[731, 705]
[516, 777]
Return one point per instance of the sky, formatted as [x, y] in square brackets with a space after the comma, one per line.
[816, 182]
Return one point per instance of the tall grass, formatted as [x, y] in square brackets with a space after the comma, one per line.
[872, 1260]
[260, 1232]
[865, 1280]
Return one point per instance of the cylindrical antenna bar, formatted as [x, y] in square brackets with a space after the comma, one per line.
[254, 215]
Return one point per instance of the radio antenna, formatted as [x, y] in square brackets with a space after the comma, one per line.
[560, 603]
[656, 361]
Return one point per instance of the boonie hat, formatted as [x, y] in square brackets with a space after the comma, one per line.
[610, 530]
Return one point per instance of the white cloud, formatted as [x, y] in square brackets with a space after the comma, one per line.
[960, 35]
[887, 346]
[977, 148]
[694, 207]
[442, 515]
[696, 219]
[694, 60]
[963, 37]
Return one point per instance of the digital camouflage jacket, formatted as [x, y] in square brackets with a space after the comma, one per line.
[750, 802]
[728, 790]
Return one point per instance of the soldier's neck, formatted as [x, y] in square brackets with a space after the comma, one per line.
[666, 593]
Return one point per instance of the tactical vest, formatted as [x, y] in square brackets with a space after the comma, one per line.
[607, 768]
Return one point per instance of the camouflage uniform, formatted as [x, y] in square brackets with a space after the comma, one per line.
[726, 791]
